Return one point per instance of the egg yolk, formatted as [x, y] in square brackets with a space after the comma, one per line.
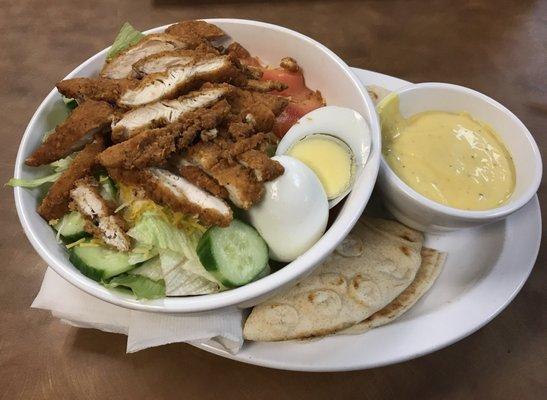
[330, 159]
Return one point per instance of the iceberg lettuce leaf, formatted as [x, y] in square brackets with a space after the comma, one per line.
[128, 36]
[141, 286]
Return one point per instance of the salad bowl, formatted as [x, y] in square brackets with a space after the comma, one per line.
[323, 70]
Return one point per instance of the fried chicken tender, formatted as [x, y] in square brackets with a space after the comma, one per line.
[153, 147]
[264, 168]
[195, 29]
[199, 178]
[177, 193]
[85, 121]
[100, 89]
[56, 202]
[101, 221]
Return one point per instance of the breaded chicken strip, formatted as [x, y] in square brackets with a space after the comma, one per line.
[265, 86]
[243, 188]
[101, 221]
[264, 168]
[177, 193]
[121, 65]
[179, 79]
[100, 89]
[161, 61]
[79, 128]
[154, 146]
[195, 28]
[56, 202]
[197, 177]
[164, 112]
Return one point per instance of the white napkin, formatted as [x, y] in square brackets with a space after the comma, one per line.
[221, 329]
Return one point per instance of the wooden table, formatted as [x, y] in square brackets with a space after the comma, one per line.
[496, 47]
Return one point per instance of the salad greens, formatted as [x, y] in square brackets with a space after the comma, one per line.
[58, 167]
[127, 37]
[141, 286]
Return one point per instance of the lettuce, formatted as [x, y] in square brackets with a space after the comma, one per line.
[58, 167]
[150, 269]
[184, 277]
[141, 286]
[142, 252]
[153, 230]
[128, 36]
[71, 104]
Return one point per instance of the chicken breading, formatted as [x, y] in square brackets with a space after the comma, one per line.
[153, 147]
[265, 86]
[101, 221]
[195, 28]
[197, 177]
[177, 193]
[161, 61]
[56, 202]
[100, 89]
[161, 113]
[178, 79]
[76, 131]
[264, 168]
[214, 159]
[121, 66]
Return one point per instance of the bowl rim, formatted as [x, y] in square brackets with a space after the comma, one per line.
[305, 263]
[494, 213]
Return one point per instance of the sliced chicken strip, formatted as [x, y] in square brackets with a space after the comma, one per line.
[177, 193]
[196, 176]
[121, 65]
[161, 61]
[265, 86]
[195, 28]
[164, 112]
[264, 168]
[152, 147]
[56, 202]
[243, 188]
[101, 221]
[79, 128]
[178, 79]
[100, 89]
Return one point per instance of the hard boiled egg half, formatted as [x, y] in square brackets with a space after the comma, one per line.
[323, 154]
[294, 212]
[335, 143]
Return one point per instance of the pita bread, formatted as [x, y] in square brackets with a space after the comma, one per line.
[432, 264]
[373, 266]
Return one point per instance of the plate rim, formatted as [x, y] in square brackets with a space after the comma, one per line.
[489, 315]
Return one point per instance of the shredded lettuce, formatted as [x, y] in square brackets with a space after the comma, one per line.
[184, 276]
[142, 252]
[128, 36]
[58, 167]
[141, 286]
[108, 189]
[70, 103]
[33, 183]
[153, 230]
[150, 269]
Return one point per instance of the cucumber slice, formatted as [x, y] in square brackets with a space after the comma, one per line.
[98, 262]
[71, 227]
[234, 255]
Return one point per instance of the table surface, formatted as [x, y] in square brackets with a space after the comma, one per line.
[496, 47]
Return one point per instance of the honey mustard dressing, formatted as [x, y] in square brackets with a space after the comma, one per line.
[330, 159]
[450, 158]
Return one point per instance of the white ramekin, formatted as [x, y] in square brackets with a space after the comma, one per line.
[323, 70]
[419, 212]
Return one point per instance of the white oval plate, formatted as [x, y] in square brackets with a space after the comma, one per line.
[485, 269]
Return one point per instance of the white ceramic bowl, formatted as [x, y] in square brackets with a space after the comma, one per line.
[419, 212]
[323, 70]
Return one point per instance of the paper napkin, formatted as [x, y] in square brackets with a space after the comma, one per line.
[220, 328]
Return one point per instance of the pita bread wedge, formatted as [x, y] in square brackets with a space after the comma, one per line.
[432, 264]
[373, 266]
